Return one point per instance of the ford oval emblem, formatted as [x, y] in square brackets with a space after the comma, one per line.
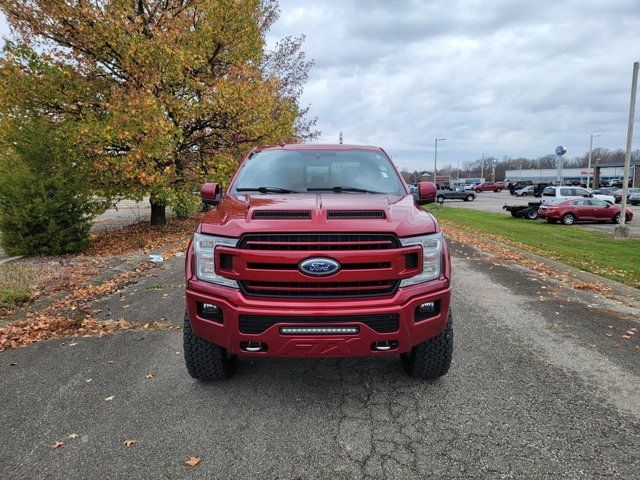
[319, 267]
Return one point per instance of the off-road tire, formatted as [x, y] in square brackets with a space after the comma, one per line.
[205, 361]
[568, 219]
[431, 359]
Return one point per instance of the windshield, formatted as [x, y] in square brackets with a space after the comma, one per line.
[291, 171]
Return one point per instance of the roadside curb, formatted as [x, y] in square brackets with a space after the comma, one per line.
[10, 259]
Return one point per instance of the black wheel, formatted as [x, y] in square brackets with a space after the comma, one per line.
[532, 214]
[205, 360]
[431, 359]
[498, 190]
[568, 219]
[440, 198]
[616, 218]
[470, 198]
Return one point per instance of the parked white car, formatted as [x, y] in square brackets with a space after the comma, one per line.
[523, 192]
[564, 192]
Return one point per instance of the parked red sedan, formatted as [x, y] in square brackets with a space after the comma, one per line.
[489, 187]
[577, 210]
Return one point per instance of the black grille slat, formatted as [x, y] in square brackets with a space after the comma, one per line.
[319, 241]
[348, 214]
[381, 323]
[282, 214]
[319, 289]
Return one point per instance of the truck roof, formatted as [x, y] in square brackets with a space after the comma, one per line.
[317, 146]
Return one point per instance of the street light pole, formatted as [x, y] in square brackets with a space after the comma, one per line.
[435, 161]
[590, 149]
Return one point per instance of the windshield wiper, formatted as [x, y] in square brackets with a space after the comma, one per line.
[265, 190]
[339, 189]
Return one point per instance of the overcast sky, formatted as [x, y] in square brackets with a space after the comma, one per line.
[498, 77]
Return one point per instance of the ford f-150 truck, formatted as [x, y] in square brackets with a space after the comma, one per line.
[317, 251]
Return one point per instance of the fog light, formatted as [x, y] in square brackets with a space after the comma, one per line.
[210, 309]
[428, 307]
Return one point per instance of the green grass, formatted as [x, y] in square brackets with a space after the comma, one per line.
[591, 251]
[15, 285]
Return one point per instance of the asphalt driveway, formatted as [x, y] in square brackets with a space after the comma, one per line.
[537, 390]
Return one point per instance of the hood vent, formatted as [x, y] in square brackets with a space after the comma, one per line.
[282, 214]
[350, 214]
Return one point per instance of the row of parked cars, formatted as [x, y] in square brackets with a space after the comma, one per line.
[537, 189]
[569, 204]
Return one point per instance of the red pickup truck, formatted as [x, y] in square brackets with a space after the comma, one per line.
[317, 251]
[489, 187]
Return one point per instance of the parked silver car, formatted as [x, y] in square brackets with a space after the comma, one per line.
[523, 192]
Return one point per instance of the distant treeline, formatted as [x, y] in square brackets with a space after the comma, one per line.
[495, 168]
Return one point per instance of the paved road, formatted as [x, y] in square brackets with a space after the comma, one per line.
[493, 202]
[532, 394]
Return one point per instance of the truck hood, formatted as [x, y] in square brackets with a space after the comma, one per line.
[322, 212]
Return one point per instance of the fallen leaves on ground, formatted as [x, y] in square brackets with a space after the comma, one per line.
[71, 315]
[128, 443]
[142, 236]
[504, 249]
[108, 399]
[57, 444]
[192, 461]
[149, 376]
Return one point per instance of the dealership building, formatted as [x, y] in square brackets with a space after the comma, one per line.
[600, 174]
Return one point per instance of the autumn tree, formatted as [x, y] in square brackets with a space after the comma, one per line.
[158, 95]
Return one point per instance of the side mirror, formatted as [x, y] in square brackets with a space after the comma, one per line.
[210, 193]
[426, 193]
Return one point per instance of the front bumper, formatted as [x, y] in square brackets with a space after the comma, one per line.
[234, 304]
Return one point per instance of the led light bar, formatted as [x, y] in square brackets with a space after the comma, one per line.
[319, 330]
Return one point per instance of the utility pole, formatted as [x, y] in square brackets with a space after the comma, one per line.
[340, 138]
[435, 161]
[458, 170]
[482, 169]
[622, 230]
[590, 149]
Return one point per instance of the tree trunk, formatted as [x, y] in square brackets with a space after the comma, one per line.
[158, 213]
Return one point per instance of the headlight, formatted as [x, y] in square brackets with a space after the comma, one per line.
[204, 247]
[431, 257]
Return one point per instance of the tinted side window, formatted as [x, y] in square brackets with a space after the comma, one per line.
[580, 191]
[598, 203]
[549, 192]
[567, 192]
